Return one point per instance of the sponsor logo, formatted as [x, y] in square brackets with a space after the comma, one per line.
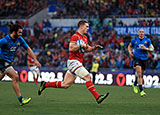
[119, 79]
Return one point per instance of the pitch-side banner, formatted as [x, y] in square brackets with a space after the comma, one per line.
[119, 79]
[133, 30]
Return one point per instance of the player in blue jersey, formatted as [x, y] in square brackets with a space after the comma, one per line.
[9, 46]
[141, 46]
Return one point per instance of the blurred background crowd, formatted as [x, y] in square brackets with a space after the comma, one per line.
[51, 45]
[20, 8]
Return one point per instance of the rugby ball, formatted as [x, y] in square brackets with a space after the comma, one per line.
[81, 49]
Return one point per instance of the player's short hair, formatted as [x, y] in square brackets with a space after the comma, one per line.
[14, 27]
[82, 22]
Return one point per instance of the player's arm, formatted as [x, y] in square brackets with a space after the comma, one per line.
[30, 53]
[91, 48]
[3, 42]
[151, 48]
[73, 46]
[130, 49]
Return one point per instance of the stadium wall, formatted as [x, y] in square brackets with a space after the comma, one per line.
[151, 80]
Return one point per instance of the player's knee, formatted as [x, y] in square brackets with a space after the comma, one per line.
[87, 77]
[15, 78]
[139, 73]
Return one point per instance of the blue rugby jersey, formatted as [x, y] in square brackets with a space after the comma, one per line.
[9, 47]
[138, 52]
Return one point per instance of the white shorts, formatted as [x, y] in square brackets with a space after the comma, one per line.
[76, 68]
[34, 69]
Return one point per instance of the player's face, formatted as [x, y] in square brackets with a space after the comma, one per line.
[85, 28]
[141, 34]
[19, 33]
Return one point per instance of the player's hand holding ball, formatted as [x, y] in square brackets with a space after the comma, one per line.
[82, 45]
[37, 63]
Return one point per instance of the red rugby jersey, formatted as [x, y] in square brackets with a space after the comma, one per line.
[31, 60]
[76, 55]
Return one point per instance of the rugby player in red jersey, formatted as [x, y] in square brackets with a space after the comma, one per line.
[33, 68]
[74, 64]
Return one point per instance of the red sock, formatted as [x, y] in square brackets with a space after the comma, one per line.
[56, 84]
[35, 81]
[92, 89]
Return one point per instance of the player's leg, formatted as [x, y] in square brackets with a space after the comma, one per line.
[34, 70]
[134, 85]
[1, 75]
[92, 89]
[35, 77]
[140, 79]
[38, 74]
[84, 74]
[14, 76]
[142, 93]
[2, 70]
[67, 82]
[136, 77]
[33, 73]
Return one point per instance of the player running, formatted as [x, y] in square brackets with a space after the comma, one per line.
[9, 46]
[34, 69]
[74, 64]
[141, 45]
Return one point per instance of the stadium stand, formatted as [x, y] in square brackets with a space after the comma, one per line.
[104, 8]
[20, 8]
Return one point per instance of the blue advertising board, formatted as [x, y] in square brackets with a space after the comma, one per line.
[133, 30]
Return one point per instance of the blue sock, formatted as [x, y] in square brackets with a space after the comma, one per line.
[20, 99]
[140, 88]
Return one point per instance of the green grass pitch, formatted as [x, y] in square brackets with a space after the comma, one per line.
[77, 100]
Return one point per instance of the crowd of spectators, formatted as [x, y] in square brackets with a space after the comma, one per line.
[20, 8]
[105, 8]
[81, 8]
[140, 22]
[51, 48]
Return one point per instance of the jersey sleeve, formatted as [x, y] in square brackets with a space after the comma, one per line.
[74, 38]
[3, 42]
[23, 43]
